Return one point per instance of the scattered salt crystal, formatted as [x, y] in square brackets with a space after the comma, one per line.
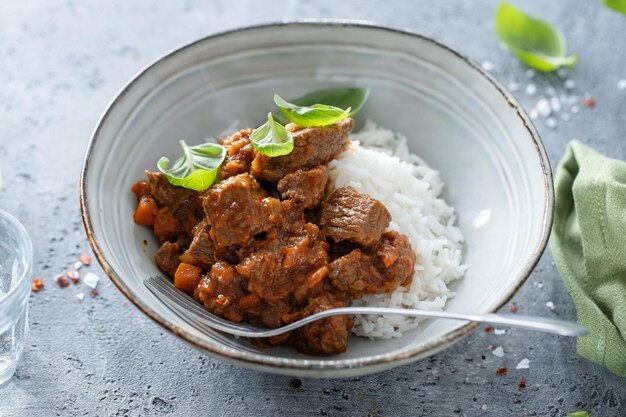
[621, 84]
[80, 296]
[543, 107]
[530, 73]
[77, 265]
[499, 351]
[562, 72]
[533, 113]
[487, 65]
[555, 104]
[91, 280]
[539, 284]
[483, 407]
[531, 89]
[550, 305]
[551, 122]
[574, 109]
[523, 364]
[499, 331]
[513, 86]
[570, 84]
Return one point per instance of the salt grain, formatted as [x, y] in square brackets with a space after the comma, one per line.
[550, 305]
[91, 280]
[487, 65]
[533, 113]
[539, 285]
[499, 331]
[570, 84]
[77, 265]
[551, 122]
[483, 407]
[555, 104]
[523, 364]
[574, 109]
[80, 296]
[621, 84]
[499, 351]
[531, 89]
[543, 107]
[513, 86]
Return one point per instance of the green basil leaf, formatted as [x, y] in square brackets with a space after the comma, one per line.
[579, 414]
[617, 5]
[272, 139]
[534, 41]
[311, 115]
[197, 168]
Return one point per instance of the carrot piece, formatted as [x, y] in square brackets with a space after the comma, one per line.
[140, 189]
[145, 212]
[187, 277]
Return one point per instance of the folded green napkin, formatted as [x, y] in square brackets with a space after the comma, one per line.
[589, 246]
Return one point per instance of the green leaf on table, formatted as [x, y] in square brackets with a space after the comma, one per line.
[272, 139]
[537, 43]
[197, 168]
[313, 115]
[617, 5]
[343, 98]
[579, 414]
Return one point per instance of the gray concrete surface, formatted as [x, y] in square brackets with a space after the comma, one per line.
[62, 61]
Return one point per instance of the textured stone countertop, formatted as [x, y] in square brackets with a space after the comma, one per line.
[62, 61]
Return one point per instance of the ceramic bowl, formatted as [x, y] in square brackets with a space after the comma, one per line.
[456, 116]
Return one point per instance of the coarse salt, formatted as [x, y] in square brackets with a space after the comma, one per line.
[513, 86]
[523, 364]
[555, 104]
[550, 305]
[499, 351]
[533, 113]
[499, 331]
[531, 89]
[621, 84]
[543, 107]
[570, 84]
[91, 280]
[487, 65]
[77, 265]
[551, 122]
[574, 109]
[80, 296]
[539, 284]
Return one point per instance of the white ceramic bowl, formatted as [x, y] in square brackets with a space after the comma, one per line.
[456, 116]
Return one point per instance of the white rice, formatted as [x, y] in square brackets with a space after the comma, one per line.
[378, 163]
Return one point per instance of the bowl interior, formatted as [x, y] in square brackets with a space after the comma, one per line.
[454, 117]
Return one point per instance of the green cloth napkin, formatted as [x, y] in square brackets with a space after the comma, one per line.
[589, 246]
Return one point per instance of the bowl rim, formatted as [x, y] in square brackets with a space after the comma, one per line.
[276, 364]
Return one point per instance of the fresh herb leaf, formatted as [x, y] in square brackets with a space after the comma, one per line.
[313, 115]
[197, 168]
[617, 5]
[534, 41]
[579, 414]
[272, 139]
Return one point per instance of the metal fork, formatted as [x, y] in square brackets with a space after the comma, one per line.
[196, 315]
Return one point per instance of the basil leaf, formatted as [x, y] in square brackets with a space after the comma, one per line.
[197, 168]
[272, 139]
[617, 5]
[311, 115]
[534, 41]
[579, 414]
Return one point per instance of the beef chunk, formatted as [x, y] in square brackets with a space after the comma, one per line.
[326, 336]
[304, 187]
[312, 146]
[237, 209]
[355, 217]
[201, 251]
[167, 258]
[378, 270]
[182, 203]
[221, 291]
[239, 156]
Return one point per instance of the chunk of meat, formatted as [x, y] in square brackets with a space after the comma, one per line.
[237, 209]
[239, 155]
[167, 258]
[312, 146]
[305, 187]
[201, 251]
[382, 269]
[355, 217]
[328, 336]
[221, 290]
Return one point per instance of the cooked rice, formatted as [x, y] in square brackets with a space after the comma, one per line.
[379, 163]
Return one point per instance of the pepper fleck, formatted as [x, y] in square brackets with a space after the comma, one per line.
[502, 371]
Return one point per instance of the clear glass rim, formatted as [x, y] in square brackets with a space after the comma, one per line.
[27, 249]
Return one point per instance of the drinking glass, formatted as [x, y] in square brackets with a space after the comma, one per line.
[16, 256]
